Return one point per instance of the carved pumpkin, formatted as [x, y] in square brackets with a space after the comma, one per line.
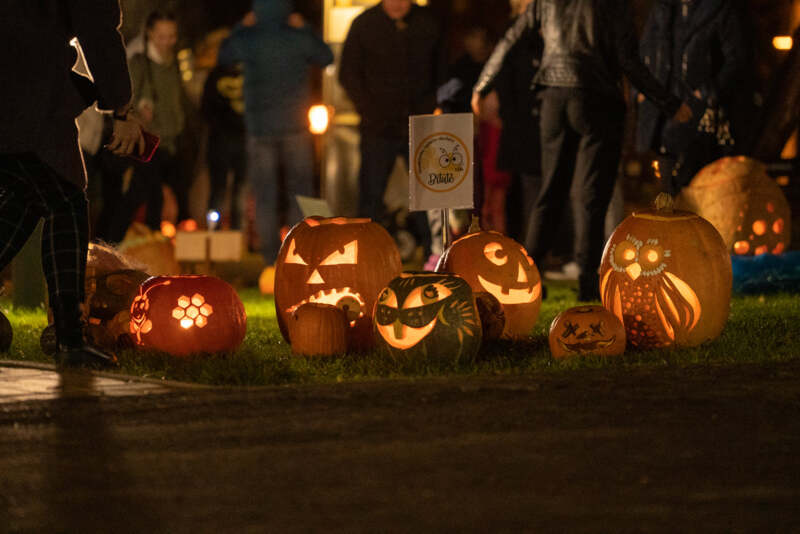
[319, 330]
[6, 333]
[667, 276]
[338, 261]
[187, 314]
[428, 315]
[586, 330]
[744, 204]
[492, 262]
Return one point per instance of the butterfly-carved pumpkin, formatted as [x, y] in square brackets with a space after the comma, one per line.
[667, 276]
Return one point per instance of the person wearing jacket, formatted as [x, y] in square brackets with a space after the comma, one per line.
[41, 170]
[277, 59]
[393, 62]
[588, 46]
[698, 49]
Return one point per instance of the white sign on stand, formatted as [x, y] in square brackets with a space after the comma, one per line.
[441, 161]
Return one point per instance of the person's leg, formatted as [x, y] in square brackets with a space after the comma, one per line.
[179, 180]
[262, 156]
[297, 153]
[599, 121]
[558, 149]
[378, 156]
[216, 158]
[18, 216]
[237, 162]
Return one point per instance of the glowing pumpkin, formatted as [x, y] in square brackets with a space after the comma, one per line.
[187, 314]
[338, 261]
[667, 276]
[428, 315]
[744, 204]
[318, 330]
[492, 262]
[586, 330]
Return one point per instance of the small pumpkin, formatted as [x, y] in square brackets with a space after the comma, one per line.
[338, 261]
[6, 333]
[666, 274]
[151, 249]
[428, 315]
[187, 314]
[744, 204]
[492, 262]
[318, 330]
[586, 330]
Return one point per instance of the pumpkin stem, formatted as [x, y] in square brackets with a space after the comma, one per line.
[665, 202]
[475, 225]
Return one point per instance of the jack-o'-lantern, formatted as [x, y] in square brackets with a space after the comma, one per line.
[187, 314]
[318, 330]
[586, 330]
[666, 275]
[6, 333]
[744, 204]
[428, 315]
[338, 261]
[492, 262]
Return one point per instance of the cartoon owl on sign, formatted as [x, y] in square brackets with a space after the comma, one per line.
[667, 276]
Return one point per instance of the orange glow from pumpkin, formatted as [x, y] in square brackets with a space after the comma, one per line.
[292, 256]
[770, 207]
[315, 278]
[491, 252]
[629, 254]
[652, 256]
[168, 229]
[511, 296]
[349, 256]
[777, 226]
[741, 247]
[778, 248]
[345, 299]
[759, 227]
[404, 337]
[634, 270]
[763, 249]
[192, 311]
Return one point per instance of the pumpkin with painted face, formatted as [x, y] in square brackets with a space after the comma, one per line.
[666, 275]
[337, 261]
[586, 330]
[428, 315]
[187, 314]
[492, 262]
[744, 204]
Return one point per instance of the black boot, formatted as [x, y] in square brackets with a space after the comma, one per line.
[72, 349]
[588, 287]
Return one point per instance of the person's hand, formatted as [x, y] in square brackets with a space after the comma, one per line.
[145, 114]
[296, 21]
[249, 19]
[683, 115]
[475, 104]
[127, 136]
[640, 98]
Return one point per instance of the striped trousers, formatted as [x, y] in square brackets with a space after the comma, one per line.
[30, 190]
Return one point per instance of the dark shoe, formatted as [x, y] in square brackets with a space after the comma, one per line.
[588, 288]
[85, 356]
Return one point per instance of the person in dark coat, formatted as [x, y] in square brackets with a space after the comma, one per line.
[392, 63]
[223, 109]
[698, 49]
[588, 46]
[277, 59]
[41, 170]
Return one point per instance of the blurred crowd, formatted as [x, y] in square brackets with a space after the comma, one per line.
[549, 97]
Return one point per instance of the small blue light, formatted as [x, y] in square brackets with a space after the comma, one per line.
[212, 216]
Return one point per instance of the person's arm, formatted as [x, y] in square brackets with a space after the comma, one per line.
[734, 56]
[95, 24]
[351, 67]
[524, 22]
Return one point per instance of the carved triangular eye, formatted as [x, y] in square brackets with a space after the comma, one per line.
[348, 256]
[293, 256]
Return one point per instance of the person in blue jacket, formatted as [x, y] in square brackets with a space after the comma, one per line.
[278, 52]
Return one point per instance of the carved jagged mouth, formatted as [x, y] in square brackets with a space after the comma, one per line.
[589, 346]
[404, 337]
[511, 296]
[345, 299]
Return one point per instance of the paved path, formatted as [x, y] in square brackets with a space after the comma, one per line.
[700, 449]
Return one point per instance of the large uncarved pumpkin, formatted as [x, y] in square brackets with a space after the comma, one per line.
[318, 330]
[187, 314]
[744, 204]
[667, 276]
[338, 261]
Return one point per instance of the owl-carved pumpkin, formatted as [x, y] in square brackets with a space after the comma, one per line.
[338, 261]
[667, 276]
[744, 204]
[492, 262]
[428, 315]
[586, 330]
[187, 314]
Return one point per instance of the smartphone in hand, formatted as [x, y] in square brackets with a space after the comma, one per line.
[151, 142]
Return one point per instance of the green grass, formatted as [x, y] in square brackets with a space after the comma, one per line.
[760, 329]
